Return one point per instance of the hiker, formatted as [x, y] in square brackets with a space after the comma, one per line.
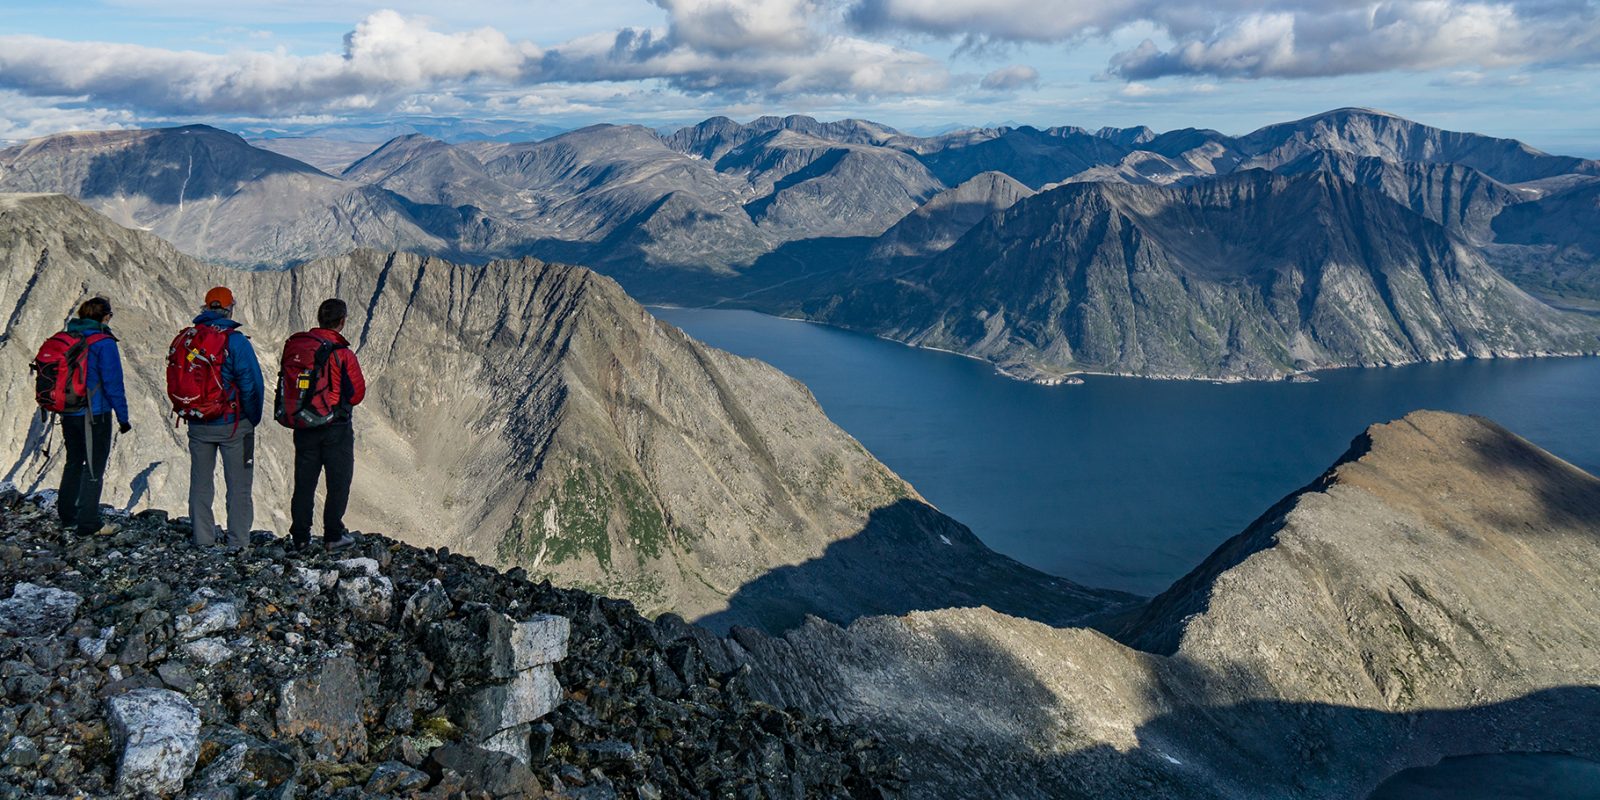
[318, 386]
[214, 383]
[79, 378]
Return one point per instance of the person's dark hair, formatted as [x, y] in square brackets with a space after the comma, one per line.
[95, 308]
[331, 312]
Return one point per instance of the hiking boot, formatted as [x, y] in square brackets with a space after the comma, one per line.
[345, 540]
[108, 529]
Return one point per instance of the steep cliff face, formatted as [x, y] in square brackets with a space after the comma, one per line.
[1436, 593]
[1249, 276]
[1462, 199]
[529, 414]
[936, 225]
[1551, 246]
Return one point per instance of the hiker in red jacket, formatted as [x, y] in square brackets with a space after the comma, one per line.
[319, 385]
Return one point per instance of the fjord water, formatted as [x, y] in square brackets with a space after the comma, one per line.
[1129, 483]
[1501, 776]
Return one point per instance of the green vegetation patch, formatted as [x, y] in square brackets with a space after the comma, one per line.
[582, 509]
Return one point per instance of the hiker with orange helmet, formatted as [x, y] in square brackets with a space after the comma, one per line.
[214, 383]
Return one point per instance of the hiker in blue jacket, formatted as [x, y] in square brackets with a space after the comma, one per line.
[232, 436]
[87, 432]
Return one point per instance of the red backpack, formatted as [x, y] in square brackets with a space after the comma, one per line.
[61, 371]
[194, 374]
[304, 398]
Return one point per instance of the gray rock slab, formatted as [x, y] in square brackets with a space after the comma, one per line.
[158, 734]
[34, 610]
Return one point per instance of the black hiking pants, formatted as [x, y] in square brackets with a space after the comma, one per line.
[88, 442]
[329, 448]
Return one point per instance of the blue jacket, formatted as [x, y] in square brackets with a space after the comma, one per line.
[105, 372]
[241, 370]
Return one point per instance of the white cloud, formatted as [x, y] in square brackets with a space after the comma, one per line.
[1271, 38]
[735, 47]
[1007, 20]
[726, 27]
[28, 117]
[1005, 79]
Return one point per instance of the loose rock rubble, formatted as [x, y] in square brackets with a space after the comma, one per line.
[138, 664]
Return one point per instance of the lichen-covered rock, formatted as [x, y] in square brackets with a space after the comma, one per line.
[529, 695]
[513, 741]
[427, 604]
[541, 639]
[368, 598]
[488, 645]
[157, 731]
[214, 616]
[34, 610]
[324, 709]
[393, 777]
[210, 651]
[483, 770]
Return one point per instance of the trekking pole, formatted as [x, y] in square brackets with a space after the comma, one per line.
[48, 420]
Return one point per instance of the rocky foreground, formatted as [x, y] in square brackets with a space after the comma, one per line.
[137, 663]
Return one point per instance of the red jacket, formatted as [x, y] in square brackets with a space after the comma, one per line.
[345, 383]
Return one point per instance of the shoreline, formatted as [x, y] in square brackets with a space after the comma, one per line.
[1065, 378]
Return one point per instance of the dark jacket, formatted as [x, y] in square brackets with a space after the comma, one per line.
[241, 371]
[106, 392]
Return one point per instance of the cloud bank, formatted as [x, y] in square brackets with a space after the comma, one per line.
[756, 54]
[758, 49]
[1269, 38]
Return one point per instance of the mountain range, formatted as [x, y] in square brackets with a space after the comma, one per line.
[791, 215]
[1252, 275]
[529, 415]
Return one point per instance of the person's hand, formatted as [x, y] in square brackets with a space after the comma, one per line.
[124, 427]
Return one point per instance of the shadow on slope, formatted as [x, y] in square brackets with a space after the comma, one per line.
[1277, 749]
[975, 715]
[908, 557]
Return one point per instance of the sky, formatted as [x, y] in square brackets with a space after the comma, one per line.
[1525, 69]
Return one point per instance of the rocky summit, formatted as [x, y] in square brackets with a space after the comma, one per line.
[139, 665]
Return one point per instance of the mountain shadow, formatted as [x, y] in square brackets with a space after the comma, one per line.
[1278, 749]
[982, 706]
[908, 557]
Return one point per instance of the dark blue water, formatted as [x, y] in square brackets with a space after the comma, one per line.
[1121, 482]
[1508, 776]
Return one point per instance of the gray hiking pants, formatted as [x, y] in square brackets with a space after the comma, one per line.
[237, 446]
